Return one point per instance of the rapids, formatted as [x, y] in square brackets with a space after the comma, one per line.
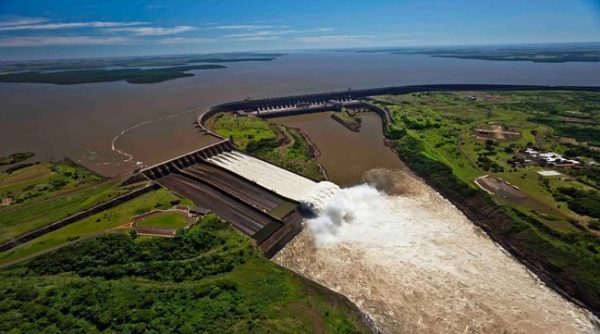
[415, 264]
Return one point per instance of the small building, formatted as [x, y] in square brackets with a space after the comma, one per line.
[548, 173]
[552, 158]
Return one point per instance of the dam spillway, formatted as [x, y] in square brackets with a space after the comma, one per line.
[252, 196]
[274, 178]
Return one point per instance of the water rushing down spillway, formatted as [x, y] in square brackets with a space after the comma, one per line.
[409, 259]
[416, 264]
[276, 179]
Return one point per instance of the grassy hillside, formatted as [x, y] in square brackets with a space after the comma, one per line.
[103, 222]
[277, 144]
[45, 192]
[208, 279]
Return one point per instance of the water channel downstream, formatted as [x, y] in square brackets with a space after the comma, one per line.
[406, 256]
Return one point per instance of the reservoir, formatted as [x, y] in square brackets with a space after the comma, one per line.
[149, 122]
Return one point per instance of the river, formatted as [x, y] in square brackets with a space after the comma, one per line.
[83, 121]
[406, 256]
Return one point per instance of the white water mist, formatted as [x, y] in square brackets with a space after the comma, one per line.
[415, 264]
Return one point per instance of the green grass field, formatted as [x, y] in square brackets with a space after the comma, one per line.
[439, 141]
[165, 220]
[445, 124]
[93, 225]
[209, 279]
[47, 192]
[277, 144]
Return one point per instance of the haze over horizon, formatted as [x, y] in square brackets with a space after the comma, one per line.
[41, 29]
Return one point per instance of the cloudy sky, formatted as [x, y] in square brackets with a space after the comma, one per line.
[31, 29]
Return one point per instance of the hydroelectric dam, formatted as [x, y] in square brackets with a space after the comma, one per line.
[262, 200]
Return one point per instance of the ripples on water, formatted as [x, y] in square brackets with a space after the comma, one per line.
[416, 264]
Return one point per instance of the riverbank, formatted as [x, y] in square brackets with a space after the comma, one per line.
[560, 251]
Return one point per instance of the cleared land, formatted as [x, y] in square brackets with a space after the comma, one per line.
[167, 219]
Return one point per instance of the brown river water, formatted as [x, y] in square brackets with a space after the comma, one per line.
[82, 121]
[406, 256]
[346, 155]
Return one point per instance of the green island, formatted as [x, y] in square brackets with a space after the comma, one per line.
[207, 279]
[15, 158]
[146, 61]
[558, 53]
[534, 157]
[133, 75]
[348, 118]
[278, 144]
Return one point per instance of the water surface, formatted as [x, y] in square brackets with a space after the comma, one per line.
[81, 121]
[346, 155]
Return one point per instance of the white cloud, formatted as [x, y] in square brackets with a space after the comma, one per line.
[154, 31]
[244, 27]
[332, 38]
[271, 34]
[22, 21]
[30, 41]
[258, 38]
[254, 34]
[69, 25]
[184, 40]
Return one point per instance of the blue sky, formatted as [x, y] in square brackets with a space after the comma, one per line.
[31, 29]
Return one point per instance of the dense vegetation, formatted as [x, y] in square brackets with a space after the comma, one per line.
[540, 228]
[585, 202]
[277, 144]
[208, 279]
[133, 75]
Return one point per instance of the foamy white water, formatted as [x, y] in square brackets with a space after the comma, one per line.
[416, 264]
[274, 178]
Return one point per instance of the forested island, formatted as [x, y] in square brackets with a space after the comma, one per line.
[136, 70]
